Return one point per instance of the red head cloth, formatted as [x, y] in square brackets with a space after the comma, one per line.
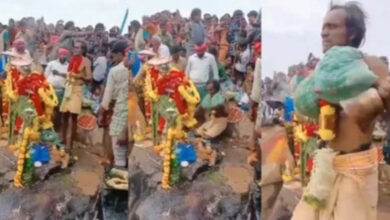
[257, 47]
[19, 43]
[201, 48]
[63, 51]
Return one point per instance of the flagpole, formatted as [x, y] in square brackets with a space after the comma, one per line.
[124, 21]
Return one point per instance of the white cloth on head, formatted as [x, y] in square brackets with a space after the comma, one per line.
[163, 51]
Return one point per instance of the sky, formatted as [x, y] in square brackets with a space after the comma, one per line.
[111, 12]
[291, 30]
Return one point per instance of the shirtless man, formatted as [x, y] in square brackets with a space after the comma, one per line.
[354, 194]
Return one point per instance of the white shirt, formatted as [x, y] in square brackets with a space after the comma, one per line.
[244, 60]
[199, 69]
[117, 83]
[99, 68]
[58, 82]
[163, 51]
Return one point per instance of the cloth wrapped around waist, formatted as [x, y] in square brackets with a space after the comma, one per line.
[329, 165]
[351, 194]
[357, 165]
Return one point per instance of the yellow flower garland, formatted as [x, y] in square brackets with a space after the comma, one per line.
[326, 123]
[30, 132]
[191, 96]
[50, 100]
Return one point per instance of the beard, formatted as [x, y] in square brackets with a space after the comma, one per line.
[62, 60]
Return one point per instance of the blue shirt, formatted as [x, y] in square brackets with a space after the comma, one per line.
[136, 65]
[6, 36]
[3, 63]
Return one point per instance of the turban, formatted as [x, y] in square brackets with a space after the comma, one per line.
[19, 43]
[63, 51]
[201, 47]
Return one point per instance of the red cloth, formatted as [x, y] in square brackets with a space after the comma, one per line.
[29, 85]
[309, 164]
[257, 47]
[161, 124]
[54, 39]
[75, 63]
[310, 129]
[63, 51]
[168, 85]
[18, 125]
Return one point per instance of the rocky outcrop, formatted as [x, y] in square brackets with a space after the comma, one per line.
[218, 192]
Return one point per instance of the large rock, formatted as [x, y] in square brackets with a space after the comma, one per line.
[46, 170]
[9, 176]
[62, 196]
[204, 193]
[200, 199]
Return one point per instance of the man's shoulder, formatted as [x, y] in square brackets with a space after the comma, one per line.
[53, 62]
[119, 68]
[209, 56]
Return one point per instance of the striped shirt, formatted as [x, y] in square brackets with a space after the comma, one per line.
[117, 88]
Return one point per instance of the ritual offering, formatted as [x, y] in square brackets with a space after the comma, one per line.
[235, 114]
[171, 102]
[30, 106]
[87, 122]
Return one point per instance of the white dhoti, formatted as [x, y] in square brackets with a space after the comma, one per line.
[354, 195]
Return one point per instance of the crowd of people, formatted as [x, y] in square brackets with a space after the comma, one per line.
[91, 68]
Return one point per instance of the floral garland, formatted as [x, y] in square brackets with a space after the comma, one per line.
[31, 102]
[164, 92]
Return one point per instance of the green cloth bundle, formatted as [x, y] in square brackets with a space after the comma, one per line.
[342, 74]
[305, 99]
